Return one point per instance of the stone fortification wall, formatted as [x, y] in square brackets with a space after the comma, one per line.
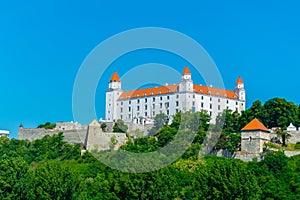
[70, 136]
[295, 136]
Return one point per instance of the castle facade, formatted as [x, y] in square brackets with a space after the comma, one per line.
[140, 106]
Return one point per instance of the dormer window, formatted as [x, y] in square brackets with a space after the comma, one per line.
[159, 92]
[145, 94]
[137, 95]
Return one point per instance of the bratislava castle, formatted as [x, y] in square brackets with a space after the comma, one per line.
[141, 106]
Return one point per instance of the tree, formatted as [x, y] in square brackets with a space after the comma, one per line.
[47, 125]
[283, 134]
[120, 127]
[160, 120]
[103, 126]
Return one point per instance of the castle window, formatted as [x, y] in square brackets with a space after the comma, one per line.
[210, 99]
[227, 101]
[161, 98]
[121, 109]
[177, 103]
[219, 100]
[122, 103]
[138, 108]
[193, 96]
[202, 97]
[153, 106]
[210, 106]
[236, 103]
[129, 109]
[193, 103]
[177, 96]
[138, 101]
[168, 112]
[242, 104]
[167, 105]
[146, 100]
[210, 113]
[145, 114]
[209, 92]
[153, 99]
[160, 105]
[177, 110]
[146, 107]
[219, 107]
[121, 116]
[129, 116]
[168, 97]
[153, 113]
[202, 104]
[227, 108]
[129, 102]
[236, 109]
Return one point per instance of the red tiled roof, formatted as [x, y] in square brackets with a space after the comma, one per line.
[215, 91]
[115, 77]
[174, 88]
[186, 70]
[254, 125]
[149, 91]
[239, 81]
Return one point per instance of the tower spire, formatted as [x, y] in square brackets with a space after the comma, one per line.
[115, 77]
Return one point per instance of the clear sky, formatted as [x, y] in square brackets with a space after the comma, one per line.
[43, 43]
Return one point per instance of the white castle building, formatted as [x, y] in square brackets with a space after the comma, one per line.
[141, 106]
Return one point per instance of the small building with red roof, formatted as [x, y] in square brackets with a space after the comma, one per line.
[253, 137]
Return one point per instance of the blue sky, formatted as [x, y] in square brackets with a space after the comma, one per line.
[43, 43]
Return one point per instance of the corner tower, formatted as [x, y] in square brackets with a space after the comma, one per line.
[240, 89]
[186, 82]
[112, 94]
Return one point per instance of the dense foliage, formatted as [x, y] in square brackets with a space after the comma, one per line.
[52, 169]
